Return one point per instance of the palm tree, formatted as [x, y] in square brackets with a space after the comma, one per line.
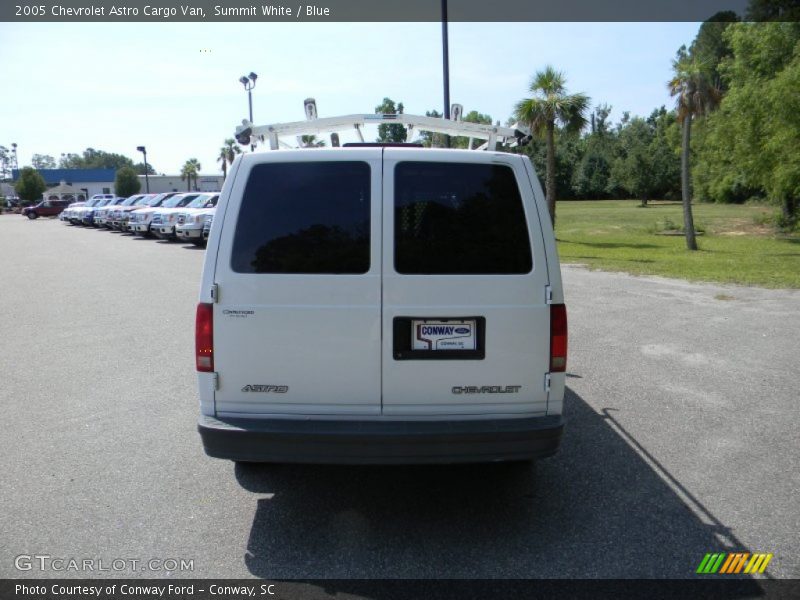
[190, 170]
[223, 158]
[226, 155]
[695, 96]
[550, 103]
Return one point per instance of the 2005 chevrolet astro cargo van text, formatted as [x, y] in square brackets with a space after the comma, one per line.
[381, 304]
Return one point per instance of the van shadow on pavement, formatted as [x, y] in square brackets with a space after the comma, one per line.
[596, 509]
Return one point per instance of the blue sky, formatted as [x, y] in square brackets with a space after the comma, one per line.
[174, 86]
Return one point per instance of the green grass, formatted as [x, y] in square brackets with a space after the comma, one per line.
[736, 247]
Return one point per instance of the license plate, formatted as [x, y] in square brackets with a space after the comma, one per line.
[430, 334]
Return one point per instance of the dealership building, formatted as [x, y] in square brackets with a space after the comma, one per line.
[173, 183]
[101, 181]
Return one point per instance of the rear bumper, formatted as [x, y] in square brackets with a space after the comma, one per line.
[380, 442]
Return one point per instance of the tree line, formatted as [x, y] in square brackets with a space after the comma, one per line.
[91, 158]
[733, 135]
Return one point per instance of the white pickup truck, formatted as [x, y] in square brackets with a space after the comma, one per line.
[165, 219]
[189, 223]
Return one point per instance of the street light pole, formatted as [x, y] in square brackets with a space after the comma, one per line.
[14, 150]
[143, 150]
[249, 82]
[446, 68]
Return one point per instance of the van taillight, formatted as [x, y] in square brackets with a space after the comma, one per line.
[558, 338]
[204, 337]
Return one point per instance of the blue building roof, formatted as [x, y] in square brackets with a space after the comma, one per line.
[56, 176]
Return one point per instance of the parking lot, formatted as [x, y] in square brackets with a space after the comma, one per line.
[682, 437]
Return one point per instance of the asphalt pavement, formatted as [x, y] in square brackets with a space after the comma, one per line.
[682, 438]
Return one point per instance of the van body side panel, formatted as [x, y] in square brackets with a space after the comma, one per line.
[546, 233]
[558, 381]
[510, 377]
[206, 381]
[305, 343]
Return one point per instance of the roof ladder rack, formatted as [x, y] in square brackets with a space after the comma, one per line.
[247, 133]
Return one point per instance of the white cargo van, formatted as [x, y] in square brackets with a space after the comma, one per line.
[381, 304]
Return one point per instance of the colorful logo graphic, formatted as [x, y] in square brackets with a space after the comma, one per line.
[734, 562]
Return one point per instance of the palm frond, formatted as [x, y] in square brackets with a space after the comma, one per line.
[695, 94]
[571, 111]
[548, 82]
[550, 102]
[535, 113]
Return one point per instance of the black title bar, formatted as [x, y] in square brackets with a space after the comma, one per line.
[154, 11]
[711, 588]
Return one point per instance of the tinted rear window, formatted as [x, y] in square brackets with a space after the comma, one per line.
[459, 218]
[309, 217]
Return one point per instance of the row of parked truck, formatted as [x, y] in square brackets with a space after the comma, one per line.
[172, 215]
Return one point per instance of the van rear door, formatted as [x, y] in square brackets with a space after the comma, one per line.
[297, 322]
[465, 318]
